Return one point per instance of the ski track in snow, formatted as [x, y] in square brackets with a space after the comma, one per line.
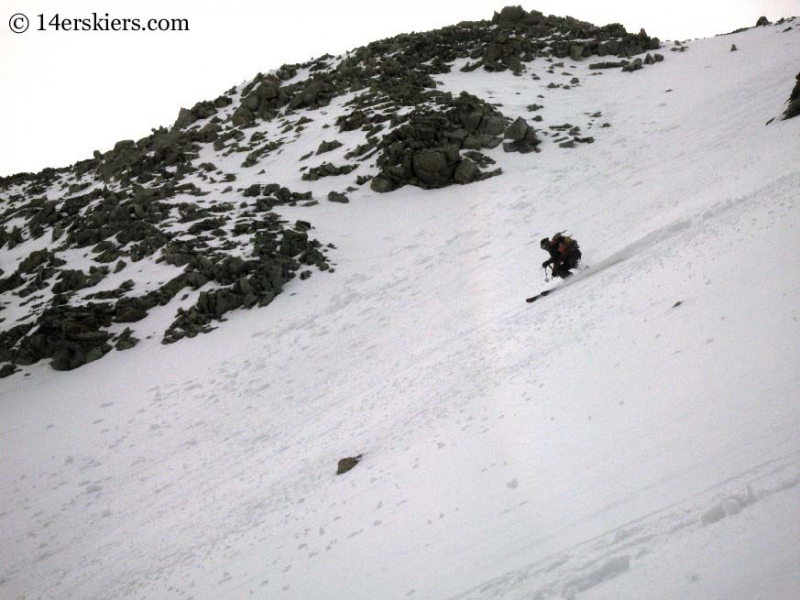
[635, 434]
[782, 189]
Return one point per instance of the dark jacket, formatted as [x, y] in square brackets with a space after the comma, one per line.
[564, 252]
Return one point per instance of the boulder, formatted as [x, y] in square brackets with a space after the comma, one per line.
[466, 172]
[126, 340]
[380, 184]
[346, 464]
[70, 280]
[493, 125]
[128, 313]
[472, 142]
[608, 64]
[517, 130]
[351, 122]
[430, 167]
[636, 65]
[328, 146]
[338, 197]
[523, 137]
[293, 242]
[38, 258]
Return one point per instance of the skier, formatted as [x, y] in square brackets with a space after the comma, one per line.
[564, 254]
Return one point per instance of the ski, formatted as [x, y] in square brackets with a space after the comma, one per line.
[567, 281]
[537, 296]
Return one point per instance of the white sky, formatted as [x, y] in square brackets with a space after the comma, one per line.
[68, 93]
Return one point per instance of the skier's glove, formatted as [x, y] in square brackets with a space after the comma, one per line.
[545, 264]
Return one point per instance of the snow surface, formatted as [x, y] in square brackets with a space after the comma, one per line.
[635, 435]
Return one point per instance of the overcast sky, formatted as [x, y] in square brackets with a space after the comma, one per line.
[68, 93]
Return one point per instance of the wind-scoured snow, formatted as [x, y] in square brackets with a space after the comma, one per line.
[634, 435]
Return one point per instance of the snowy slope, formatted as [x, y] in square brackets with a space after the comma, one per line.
[634, 434]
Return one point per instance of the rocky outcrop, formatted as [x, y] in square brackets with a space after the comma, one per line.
[247, 283]
[426, 149]
[327, 170]
[794, 101]
[201, 110]
[138, 223]
[328, 146]
[71, 336]
[155, 201]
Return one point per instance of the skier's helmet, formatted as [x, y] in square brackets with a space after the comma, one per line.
[545, 243]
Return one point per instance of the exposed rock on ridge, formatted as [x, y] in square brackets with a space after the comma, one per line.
[161, 203]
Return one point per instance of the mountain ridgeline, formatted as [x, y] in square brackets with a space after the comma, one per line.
[89, 245]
